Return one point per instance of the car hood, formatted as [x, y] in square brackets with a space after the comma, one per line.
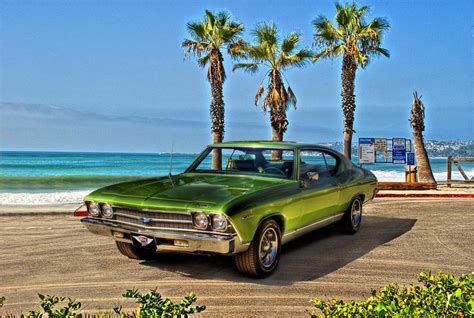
[183, 192]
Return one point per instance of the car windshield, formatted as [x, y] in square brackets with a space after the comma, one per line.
[265, 162]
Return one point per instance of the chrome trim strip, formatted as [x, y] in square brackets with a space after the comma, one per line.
[148, 210]
[311, 227]
[164, 228]
[152, 219]
[198, 242]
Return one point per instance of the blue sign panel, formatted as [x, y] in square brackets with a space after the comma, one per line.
[399, 150]
[410, 158]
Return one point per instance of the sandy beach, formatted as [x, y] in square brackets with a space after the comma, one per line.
[55, 254]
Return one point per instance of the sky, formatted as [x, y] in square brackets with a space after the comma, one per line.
[111, 75]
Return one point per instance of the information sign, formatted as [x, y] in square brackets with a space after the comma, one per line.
[366, 150]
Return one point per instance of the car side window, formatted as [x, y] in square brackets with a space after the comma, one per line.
[331, 162]
[313, 165]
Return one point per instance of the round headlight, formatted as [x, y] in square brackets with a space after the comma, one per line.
[93, 208]
[200, 220]
[107, 210]
[219, 222]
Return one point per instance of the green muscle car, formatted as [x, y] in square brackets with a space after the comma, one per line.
[243, 198]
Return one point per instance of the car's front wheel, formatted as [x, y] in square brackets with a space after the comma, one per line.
[263, 255]
[353, 217]
[135, 252]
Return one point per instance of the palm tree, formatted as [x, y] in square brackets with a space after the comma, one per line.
[207, 38]
[358, 42]
[417, 121]
[276, 55]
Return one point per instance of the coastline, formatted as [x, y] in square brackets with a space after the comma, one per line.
[67, 208]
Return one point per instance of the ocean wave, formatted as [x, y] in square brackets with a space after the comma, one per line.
[399, 176]
[42, 198]
[59, 183]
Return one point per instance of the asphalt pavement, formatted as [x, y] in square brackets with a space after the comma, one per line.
[55, 254]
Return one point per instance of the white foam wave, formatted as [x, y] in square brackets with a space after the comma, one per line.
[389, 175]
[42, 198]
[399, 176]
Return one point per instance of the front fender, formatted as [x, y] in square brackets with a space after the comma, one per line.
[248, 211]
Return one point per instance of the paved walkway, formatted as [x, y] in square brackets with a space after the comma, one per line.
[398, 239]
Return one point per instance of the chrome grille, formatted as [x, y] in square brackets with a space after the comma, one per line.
[158, 219]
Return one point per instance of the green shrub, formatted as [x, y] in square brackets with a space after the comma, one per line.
[152, 304]
[438, 296]
[49, 303]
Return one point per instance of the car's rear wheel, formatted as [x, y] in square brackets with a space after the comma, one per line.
[353, 216]
[135, 252]
[263, 254]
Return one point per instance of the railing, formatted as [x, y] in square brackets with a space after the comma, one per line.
[457, 162]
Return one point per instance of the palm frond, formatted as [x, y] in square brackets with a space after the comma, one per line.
[276, 96]
[383, 51]
[194, 48]
[210, 19]
[197, 30]
[299, 59]
[290, 42]
[266, 33]
[325, 31]
[259, 94]
[259, 53]
[202, 61]
[291, 97]
[238, 49]
[247, 67]
[351, 34]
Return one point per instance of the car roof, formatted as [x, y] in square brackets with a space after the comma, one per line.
[269, 144]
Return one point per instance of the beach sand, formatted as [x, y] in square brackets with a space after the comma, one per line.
[55, 254]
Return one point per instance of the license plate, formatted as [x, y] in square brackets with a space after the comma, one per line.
[143, 241]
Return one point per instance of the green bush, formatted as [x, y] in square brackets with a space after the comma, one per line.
[151, 304]
[49, 303]
[443, 296]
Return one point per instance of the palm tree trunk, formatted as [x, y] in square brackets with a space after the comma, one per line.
[424, 168]
[417, 121]
[278, 120]
[349, 68]
[216, 78]
[277, 136]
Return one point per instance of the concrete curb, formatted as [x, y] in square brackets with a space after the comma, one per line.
[31, 213]
[426, 195]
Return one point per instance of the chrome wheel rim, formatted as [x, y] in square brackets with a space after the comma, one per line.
[356, 213]
[268, 247]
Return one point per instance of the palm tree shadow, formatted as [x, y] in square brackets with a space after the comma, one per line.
[307, 258]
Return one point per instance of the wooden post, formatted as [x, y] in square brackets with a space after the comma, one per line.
[448, 178]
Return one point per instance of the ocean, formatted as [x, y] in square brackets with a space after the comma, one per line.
[66, 177]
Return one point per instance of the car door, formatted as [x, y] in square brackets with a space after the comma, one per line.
[319, 188]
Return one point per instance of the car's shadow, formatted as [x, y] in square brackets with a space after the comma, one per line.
[309, 257]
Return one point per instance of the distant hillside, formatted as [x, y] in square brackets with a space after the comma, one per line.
[458, 148]
[435, 148]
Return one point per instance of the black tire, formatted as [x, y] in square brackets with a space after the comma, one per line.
[352, 220]
[250, 263]
[134, 252]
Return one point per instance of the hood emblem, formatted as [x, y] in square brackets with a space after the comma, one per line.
[145, 220]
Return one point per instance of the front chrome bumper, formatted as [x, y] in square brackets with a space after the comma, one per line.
[169, 241]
